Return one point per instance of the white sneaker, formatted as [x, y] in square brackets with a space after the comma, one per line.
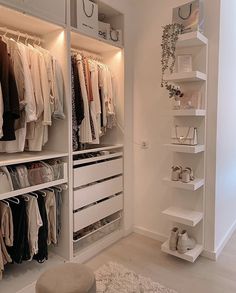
[173, 239]
[185, 243]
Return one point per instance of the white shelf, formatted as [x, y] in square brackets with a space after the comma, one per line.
[87, 43]
[185, 148]
[32, 189]
[98, 148]
[190, 256]
[193, 39]
[186, 76]
[183, 216]
[26, 157]
[192, 186]
[189, 112]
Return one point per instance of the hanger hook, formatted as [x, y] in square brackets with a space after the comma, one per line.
[18, 38]
[26, 39]
[6, 32]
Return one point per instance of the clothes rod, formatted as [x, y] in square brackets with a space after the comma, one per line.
[20, 34]
[87, 54]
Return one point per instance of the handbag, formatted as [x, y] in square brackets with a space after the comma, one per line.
[22, 174]
[184, 135]
[87, 17]
[190, 15]
[4, 182]
[115, 36]
[40, 173]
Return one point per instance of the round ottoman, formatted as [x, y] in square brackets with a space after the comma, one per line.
[67, 278]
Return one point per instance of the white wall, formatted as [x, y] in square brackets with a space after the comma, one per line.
[153, 123]
[226, 131]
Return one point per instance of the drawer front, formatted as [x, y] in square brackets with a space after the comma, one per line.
[87, 195]
[97, 212]
[95, 172]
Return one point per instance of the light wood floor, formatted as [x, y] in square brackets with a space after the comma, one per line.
[143, 255]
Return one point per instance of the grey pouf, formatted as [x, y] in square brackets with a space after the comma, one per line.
[67, 278]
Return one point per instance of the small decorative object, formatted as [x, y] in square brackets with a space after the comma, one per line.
[115, 36]
[185, 63]
[187, 175]
[104, 30]
[184, 135]
[190, 15]
[191, 100]
[176, 173]
[170, 36]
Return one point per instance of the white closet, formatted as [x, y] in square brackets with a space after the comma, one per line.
[95, 185]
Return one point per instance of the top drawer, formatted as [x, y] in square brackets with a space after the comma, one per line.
[96, 172]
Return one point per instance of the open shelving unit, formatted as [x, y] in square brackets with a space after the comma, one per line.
[192, 185]
[185, 148]
[59, 37]
[193, 156]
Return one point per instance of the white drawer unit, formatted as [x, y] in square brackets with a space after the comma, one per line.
[93, 214]
[95, 172]
[54, 10]
[87, 195]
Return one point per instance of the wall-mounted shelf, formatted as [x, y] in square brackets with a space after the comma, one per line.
[189, 112]
[185, 148]
[193, 39]
[190, 256]
[186, 76]
[183, 216]
[192, 186]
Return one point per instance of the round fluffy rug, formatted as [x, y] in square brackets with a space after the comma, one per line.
[114, 278]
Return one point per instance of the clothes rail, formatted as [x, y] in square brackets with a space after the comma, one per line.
[21, 35]
[87, 54]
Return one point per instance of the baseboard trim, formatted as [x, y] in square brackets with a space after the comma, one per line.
[154, 235]
[226, 239]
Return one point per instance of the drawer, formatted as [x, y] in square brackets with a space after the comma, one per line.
[97, 212]
[87, 195]
[96, 172]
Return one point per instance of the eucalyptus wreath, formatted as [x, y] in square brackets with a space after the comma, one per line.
[170, 37]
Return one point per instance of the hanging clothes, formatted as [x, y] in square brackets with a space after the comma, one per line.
[4, 256]
[50, 203]
[20, 249]
[85, 128]
[6, 224]
[10, 94]
[42, 254]
[34, 223]
[97, 89]
[32, 93]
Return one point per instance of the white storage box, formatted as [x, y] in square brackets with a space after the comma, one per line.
[103, 30]
[115, 36]
[87, 17]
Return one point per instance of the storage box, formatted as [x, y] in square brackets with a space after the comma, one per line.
[104, 30]
[116, 37]
[87, 17]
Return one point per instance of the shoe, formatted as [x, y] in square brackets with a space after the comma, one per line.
[187, 175]
[176, 173]
[173, 239]
[185, 243]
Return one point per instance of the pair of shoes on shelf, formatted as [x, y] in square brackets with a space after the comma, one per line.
[181, 241]
[183, 175]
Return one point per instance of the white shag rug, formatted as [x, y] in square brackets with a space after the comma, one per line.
[114, 278]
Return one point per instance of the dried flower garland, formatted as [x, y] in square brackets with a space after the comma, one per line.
[170, 37]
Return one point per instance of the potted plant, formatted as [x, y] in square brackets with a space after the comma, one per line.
[170, 37]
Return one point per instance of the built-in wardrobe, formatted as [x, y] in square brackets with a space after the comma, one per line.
[93, 209]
